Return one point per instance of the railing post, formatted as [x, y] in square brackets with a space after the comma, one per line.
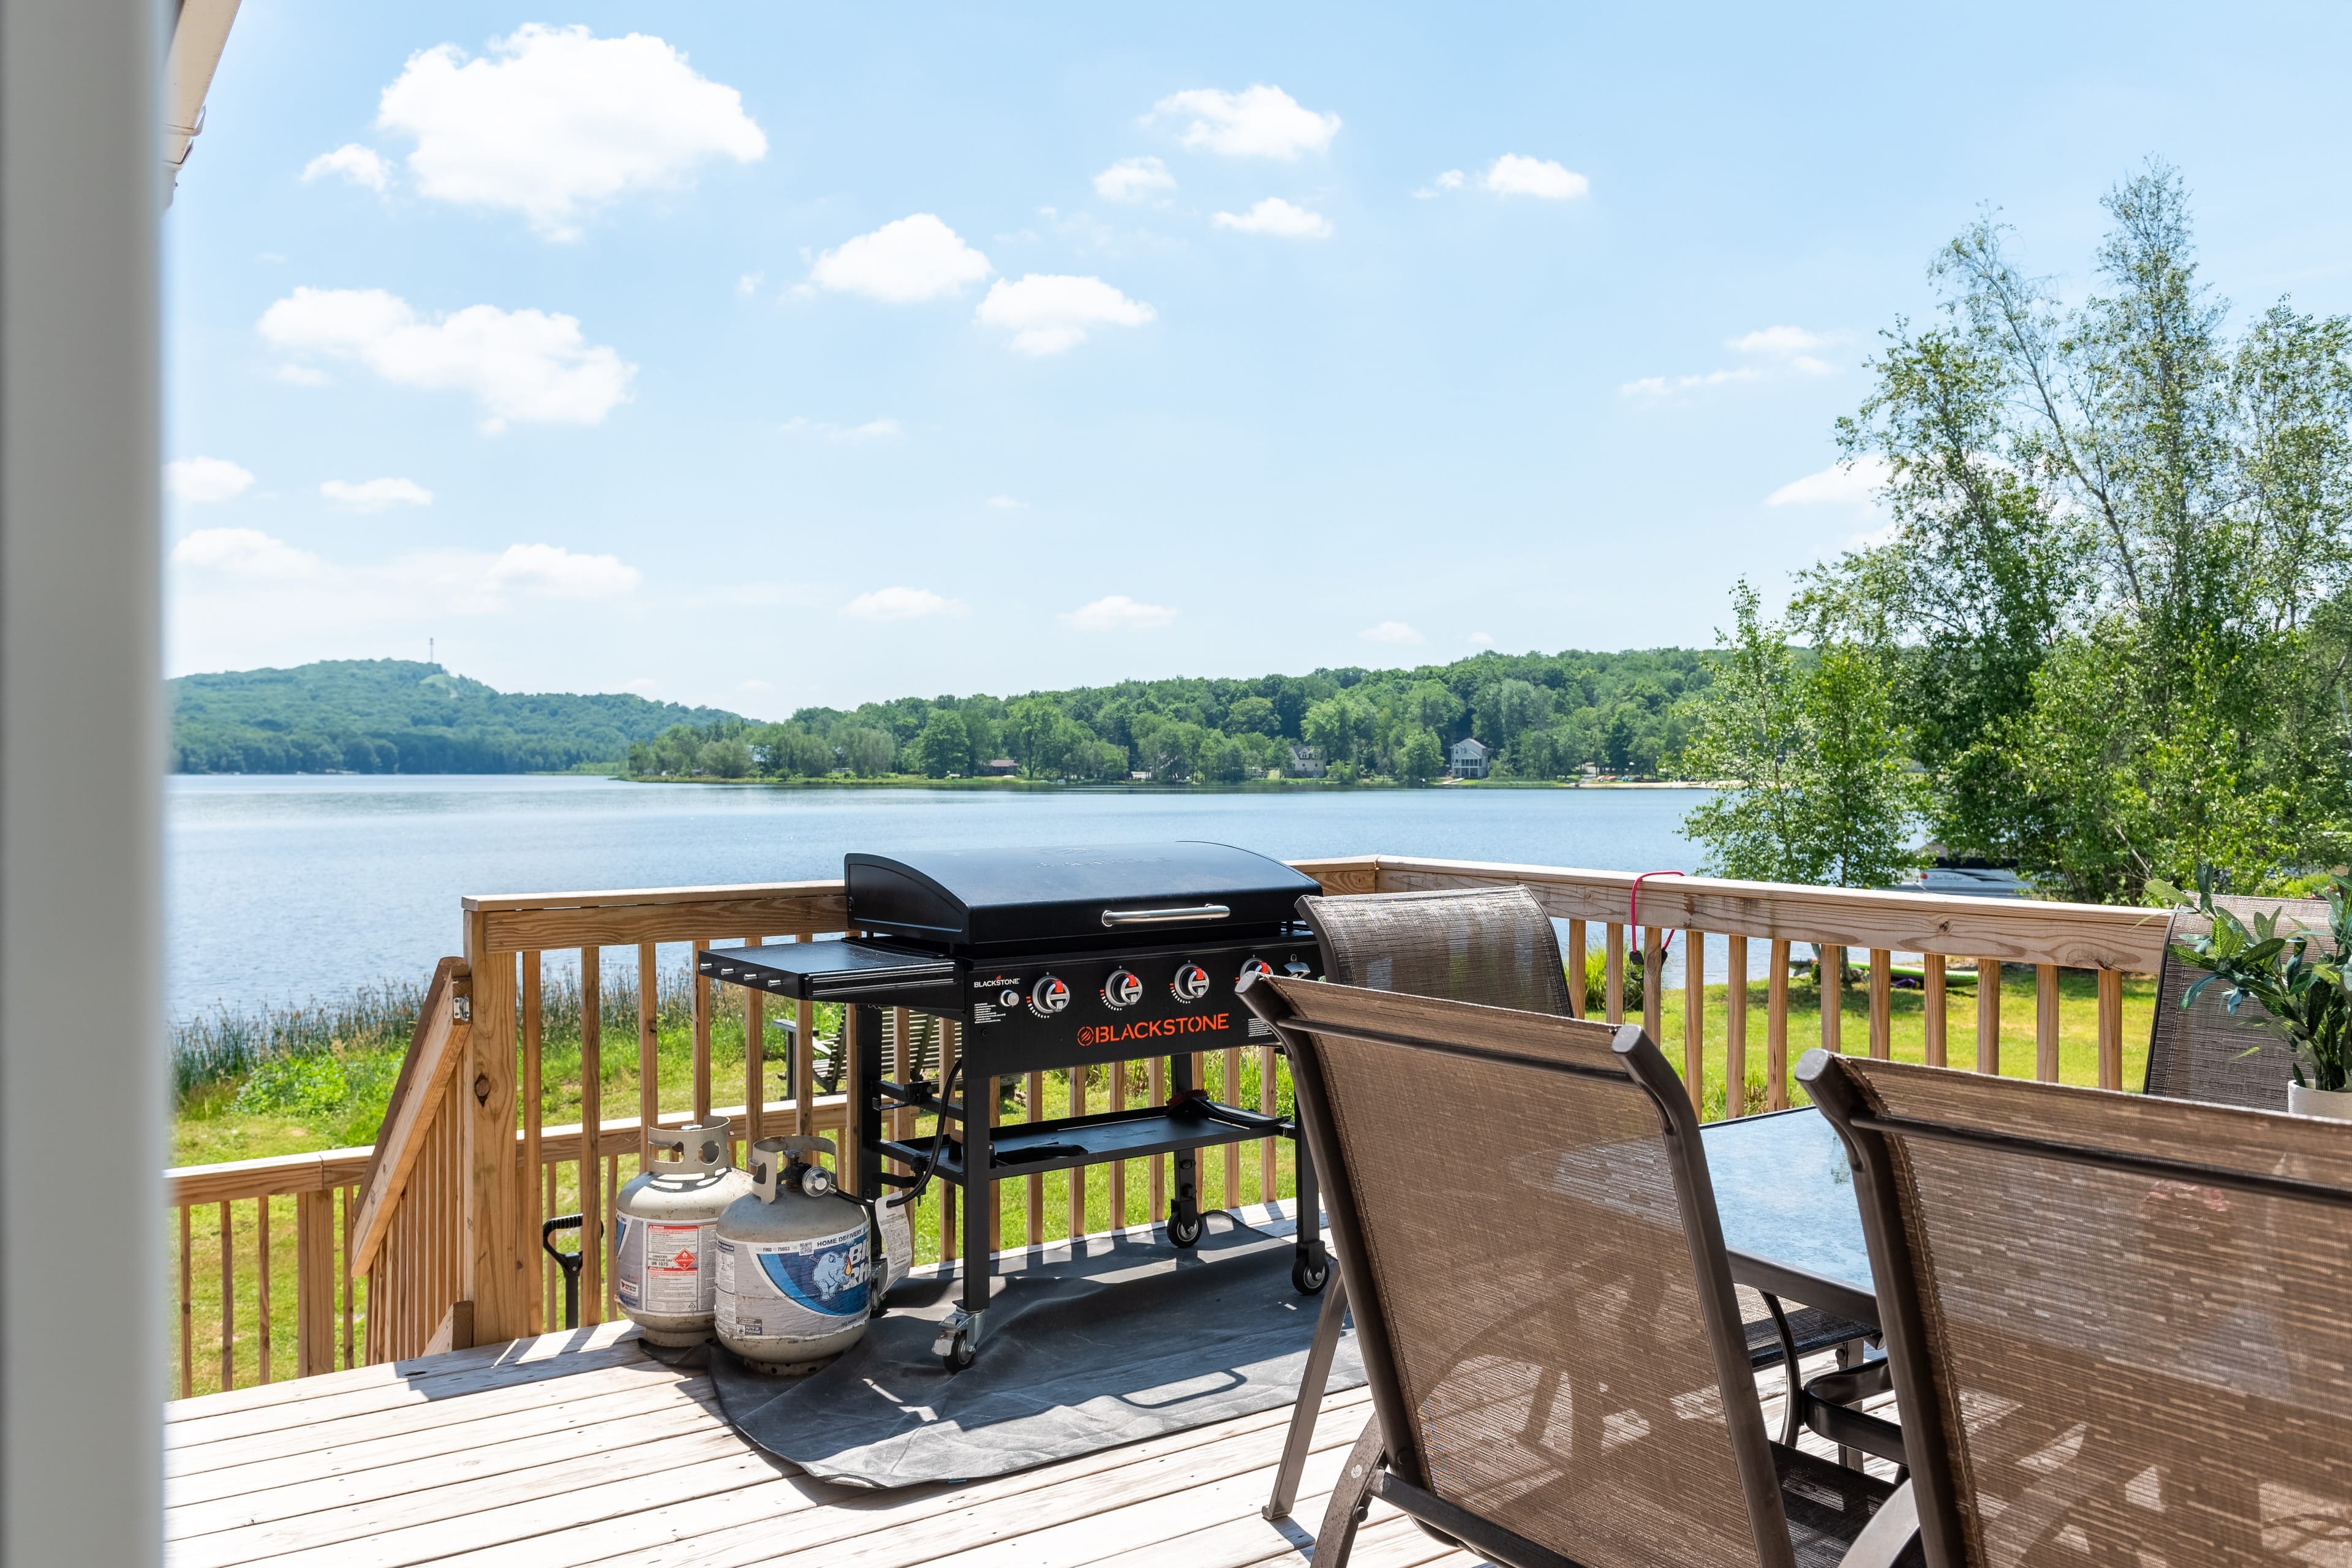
[2111, 1029]
[493, 1268]
[1735, 1028]
[1988, 1014]
[314, 1283]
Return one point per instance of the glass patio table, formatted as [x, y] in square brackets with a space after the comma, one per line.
[1790, 1220]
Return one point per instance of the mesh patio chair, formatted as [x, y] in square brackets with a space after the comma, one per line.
[1553, 1343]
[2199, 1052]
[1496, 947]
[2115, 1322]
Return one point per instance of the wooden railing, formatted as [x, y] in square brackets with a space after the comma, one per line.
[440, 1233]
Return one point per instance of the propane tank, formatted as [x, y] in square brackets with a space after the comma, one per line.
[662, 1226]
[795, 1262]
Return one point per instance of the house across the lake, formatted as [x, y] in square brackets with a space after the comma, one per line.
[998, 768]
[1305, 763]
[1470, 756]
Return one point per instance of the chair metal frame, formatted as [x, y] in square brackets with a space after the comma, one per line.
[1386, 1461]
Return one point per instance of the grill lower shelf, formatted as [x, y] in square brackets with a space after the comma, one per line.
[1063, 1144]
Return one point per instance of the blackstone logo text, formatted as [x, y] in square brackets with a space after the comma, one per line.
[1154, 1028]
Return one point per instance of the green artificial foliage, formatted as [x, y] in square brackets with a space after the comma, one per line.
[2307, 997]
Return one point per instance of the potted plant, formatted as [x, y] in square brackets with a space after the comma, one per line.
[2306, 994]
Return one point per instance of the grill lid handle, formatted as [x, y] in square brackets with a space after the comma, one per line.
[1116, 918]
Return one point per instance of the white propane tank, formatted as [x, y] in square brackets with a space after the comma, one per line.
[662, 1226]
[795, 1262]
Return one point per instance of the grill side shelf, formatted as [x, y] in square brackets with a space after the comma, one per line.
[835, 970]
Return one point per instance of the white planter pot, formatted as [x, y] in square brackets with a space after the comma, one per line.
[2333, 1103]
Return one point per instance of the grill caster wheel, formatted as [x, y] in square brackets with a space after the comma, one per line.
[1183, 1228]
[959, 1355]
[1310, 1275]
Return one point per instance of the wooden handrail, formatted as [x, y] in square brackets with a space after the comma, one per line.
[322, 1170]
[434, 1049]
[2017, 931]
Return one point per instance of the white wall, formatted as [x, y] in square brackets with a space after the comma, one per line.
[82, 1269]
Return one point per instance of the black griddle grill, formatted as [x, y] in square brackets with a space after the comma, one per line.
[1053, 958]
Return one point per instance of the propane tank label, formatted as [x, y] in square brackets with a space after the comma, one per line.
[659, 1268]
[791, 1289]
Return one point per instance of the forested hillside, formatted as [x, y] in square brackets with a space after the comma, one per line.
[385, 715]
[1548, 714]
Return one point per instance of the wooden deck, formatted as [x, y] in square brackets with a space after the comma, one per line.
[576, 1449]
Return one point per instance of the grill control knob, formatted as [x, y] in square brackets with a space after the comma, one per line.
[1298, 966]
[1048, 996]
[1009, 1000]
[1254, 968]
[1192, 982]
[1123, 989]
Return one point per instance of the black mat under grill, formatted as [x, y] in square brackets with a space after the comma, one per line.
[1129, 1341]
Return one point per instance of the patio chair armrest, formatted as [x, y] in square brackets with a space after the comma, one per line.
[1892, 1529]
[1853, 1385]
[1827, 1408]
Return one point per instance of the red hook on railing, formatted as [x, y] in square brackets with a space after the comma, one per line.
[1633, 912]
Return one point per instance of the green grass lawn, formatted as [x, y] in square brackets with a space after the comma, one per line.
[336, 1098]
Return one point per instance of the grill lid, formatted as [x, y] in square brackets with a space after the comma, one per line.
[971, 900]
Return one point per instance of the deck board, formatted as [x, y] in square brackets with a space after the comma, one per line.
[577, 1451]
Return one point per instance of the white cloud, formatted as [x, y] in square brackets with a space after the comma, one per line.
[555, 122]
[1048, 313]
[1855, 483]
[845, 435]
[1514, 176]
[1007, 503]
[1481, 639]
[551, 571]
[1275, 217]
[376, 495]
[1390, 631]
[360, 165]
[1257, 122]
[523, 365]
[201, 480]
[1775, 341]
[1667, 385]
[1783, 351]
[243, 553]
[1134, 180]
[898, 603]
[1451, 180]
[1117, 612]
[1790, 345]
[748, 284]
[917, 257]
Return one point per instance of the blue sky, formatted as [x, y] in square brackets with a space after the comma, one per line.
[768, 354]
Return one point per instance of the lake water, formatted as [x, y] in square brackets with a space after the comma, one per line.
[284, 887]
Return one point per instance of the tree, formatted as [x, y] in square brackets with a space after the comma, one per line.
[1421, 758]
[727, 759]
[1252, 716]
[2116, 599]
[1430, 705]
[945, 745]
[1508, 707]
[1814, 785]
[1860, 796]
[1751, 741]
[865, 751]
